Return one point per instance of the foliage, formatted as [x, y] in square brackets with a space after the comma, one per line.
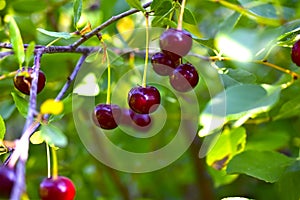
[248, 148]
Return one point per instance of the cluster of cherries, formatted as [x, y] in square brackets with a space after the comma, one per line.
[143, 100]
[174, 45]
[59, 188]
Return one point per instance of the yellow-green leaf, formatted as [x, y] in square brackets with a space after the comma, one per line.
[37, 138]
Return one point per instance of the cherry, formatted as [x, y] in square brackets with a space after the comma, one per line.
[59, 188]
[176, 43]
[7, 179]
[144, 100]
[184, 77]
[141, 120]
[22, 80]
[106, 115]
[162, 64]
[296, 53]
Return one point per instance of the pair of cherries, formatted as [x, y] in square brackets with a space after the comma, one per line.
[141, 100]
[59, 188]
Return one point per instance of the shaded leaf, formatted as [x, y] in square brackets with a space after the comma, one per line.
[21, 104]
[264, 165]
[77, 8]
[63, 35]
[53, 135]
[209, 43]
[16, 41]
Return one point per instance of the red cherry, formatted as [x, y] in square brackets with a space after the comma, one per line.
[176, 43]
[144, 100]
[7, 179]
[141, 120]
[22, 80]
[59, 188]
[184, 78]
[162, 64]
[296, 53]
[106, 115]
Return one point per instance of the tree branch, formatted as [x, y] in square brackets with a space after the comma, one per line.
[113, 19]
[20, 185]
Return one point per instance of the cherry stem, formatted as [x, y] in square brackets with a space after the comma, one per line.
[144, 82]
[48, 161]
[180, 19]
[106, 57]
[54, 163]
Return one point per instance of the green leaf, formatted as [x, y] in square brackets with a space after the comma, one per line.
[163, 8]
[53, 136]
[21, 104]
[289, 109]
[220, 177]
[237, 103]
[209, 43]
[63, 35]
[29, 52]
[136, 4]
[229, 143]
[188, 17]
[2, 128]
[237, 76]
[264, 165]
[77, 8]
[16, 41]
[288, 184]
[272, 136]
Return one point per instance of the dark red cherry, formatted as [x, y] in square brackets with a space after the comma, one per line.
[296, 53]
[141, 120]
[22, 80]
[7, 179]
[144, 100]
[106, 115]
[162, 64]
[59, 188]
[184, 78]
[176, 43]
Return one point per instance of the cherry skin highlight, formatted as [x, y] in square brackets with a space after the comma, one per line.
[184, 78]
[144, 100]
[23, 82]
[7, 179]
[59, 188]
[106, 115]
